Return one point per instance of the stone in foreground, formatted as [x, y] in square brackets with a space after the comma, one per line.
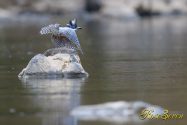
[58, 62]
[118, 112]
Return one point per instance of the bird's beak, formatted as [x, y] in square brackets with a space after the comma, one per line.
[79, 27]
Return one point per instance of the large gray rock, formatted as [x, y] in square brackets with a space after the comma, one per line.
[54, 63]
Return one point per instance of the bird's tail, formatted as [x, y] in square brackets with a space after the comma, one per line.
[81, 51]
[73, 24]
[78, 47]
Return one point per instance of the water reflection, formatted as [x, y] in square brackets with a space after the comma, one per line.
[127, 60]
[55, 98]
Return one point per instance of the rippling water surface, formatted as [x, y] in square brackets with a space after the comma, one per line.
[144, 60]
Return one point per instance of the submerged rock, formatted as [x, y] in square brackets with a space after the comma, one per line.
[57, 62]
[118, 112]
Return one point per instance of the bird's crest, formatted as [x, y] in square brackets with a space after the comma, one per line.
[73, 24]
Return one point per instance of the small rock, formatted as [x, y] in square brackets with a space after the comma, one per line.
[12, 110]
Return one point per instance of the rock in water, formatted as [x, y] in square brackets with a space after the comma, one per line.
[119, 112]
[57, 62]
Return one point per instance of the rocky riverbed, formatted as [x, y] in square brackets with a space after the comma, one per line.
[120, 8]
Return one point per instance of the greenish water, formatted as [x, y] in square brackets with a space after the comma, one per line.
[133, 60]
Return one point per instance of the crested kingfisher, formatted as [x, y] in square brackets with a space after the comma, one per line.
[63, 36]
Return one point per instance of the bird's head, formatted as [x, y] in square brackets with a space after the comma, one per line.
[73, 24]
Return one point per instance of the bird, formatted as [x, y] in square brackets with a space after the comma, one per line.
[63, 36]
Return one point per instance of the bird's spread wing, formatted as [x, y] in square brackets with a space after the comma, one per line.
[52, 28]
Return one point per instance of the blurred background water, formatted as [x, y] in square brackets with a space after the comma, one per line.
[127, 59]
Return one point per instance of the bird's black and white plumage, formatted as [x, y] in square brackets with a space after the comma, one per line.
[63, 36]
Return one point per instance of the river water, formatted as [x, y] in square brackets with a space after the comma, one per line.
[131, 60]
